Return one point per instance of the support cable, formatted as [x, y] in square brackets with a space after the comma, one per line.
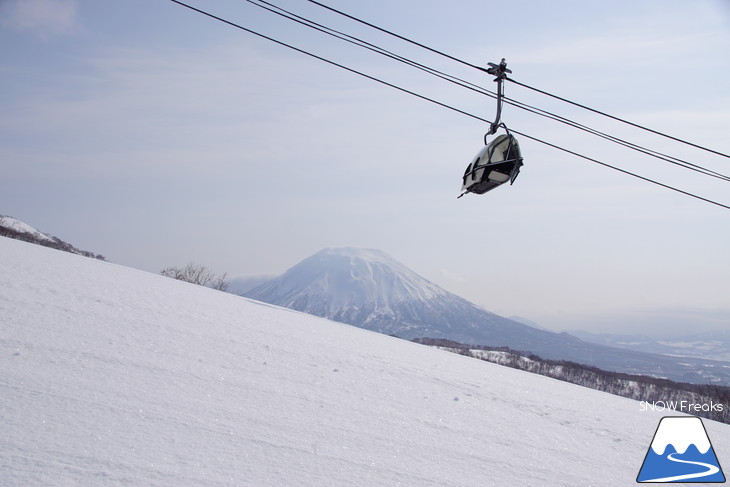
[650, 152]
[636, 125]
[403, 38]
[423, 97]
[471, 86]
[649, 180]
[370, 46]
[333, 63]
[461, 61]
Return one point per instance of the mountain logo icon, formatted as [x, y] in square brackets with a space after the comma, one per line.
[681, 452]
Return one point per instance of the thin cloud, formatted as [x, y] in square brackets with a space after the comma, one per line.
[44, 18]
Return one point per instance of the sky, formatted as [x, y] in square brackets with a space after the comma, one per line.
[156, 136]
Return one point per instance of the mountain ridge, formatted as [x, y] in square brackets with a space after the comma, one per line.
[19, 230]
[370, 289]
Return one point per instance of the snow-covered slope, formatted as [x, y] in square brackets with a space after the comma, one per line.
[112, 376]
[369, 289]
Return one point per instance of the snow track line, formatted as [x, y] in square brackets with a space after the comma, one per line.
[712, 470]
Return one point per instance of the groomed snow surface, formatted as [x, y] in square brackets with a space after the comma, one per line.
[113, 376]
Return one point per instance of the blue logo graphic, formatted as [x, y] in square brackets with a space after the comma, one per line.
[681, 452]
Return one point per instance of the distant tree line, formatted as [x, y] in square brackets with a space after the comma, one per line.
[54, 243]
[650, 390]
[197, 274]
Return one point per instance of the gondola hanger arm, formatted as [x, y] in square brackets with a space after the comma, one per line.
[500, 72]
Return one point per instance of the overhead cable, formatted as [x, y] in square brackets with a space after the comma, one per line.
[333, 63]
[479, 89]
[368, 45]
[461, 61]
[403, 38]
[554, 146]
[445, 105]
[650, 152]
[656, 132]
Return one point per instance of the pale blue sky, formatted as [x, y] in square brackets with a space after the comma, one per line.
[156, 136]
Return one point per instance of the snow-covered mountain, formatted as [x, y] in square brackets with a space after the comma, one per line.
[362, 287]
[19, 230]
[15, 225]
[369, 289]
[113, 376]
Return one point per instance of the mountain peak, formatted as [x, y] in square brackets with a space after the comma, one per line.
[347, 284]
[371, 254]
[339, 256]
[370, 272]
[370, 289]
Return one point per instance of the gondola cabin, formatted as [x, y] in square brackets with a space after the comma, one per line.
[494, 165]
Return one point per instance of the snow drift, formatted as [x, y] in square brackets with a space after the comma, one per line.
[115, 376]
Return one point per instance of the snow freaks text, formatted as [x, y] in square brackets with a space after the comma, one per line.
[681, 406]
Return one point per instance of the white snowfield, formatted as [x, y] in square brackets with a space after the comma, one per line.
[113, 376]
